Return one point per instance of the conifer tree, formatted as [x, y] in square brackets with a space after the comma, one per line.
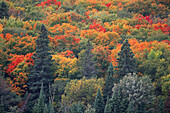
[77, 108]
[107, 108]
[109, 83]
[126, 61]
[40, 105]
[87, 62]
[124, 105]
[167, 103]
[8, 100]
[115, 101]
[130, 108]
[4, 10]
[99, 103]
[41, 71]
[89, 109]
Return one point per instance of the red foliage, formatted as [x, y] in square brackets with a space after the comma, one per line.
[16, 59]
[97, 27]
[48, 3]
[108, 4]
[67, 53]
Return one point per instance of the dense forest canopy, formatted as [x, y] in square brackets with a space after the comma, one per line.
[84, 56]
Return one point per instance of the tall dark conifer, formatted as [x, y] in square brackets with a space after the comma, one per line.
[99, 103]
[41, 71]
[115, 101]
[126, 61]
[109, 83]
[4, 10]
[87, 62]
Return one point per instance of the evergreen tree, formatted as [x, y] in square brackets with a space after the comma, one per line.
[41, 71]
[126, 61]
[9, 100]
[77, 108]
[124, 105]
[87, 62]
[51, 108]
[2, 105]
[4, 10]
[115, 101]
[107, 108]
[89, 109]
[167, 103]
[45, 109]
[130, 108]
[109, 83]
[99, 103]
[40, 105]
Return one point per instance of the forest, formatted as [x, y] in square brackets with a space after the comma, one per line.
[84, 56]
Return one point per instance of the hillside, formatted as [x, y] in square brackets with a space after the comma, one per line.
[84, 56]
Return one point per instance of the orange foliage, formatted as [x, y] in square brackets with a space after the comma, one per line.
[18, 70]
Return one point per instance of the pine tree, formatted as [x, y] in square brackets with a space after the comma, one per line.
[167, 103]
[99, 103]
[109, 83]
[130, 108]
[124, 105]
[45, 109]
[4, 10]
[107, 108]
[126, 61]
[2, 105]
[41, 71]
[87, 62]
[9, 100]
[89, 109]
[51, 108]
[77, 108]
[115, 101]
[40, 105]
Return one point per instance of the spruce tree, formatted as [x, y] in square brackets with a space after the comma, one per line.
[77, 108]
[41, 71]
[88, 69]
[4, 10]
[167, 103]
[8, 100]
[107, 108]
[99, 103]
[130, 108]
[109, 83]
[40, 105]
[115, 101]
[126, 61]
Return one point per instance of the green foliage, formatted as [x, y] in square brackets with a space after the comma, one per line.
[107, 108]
[109, 82]
[89, 109]
[59, 86]
[83, 90]
[165, 83]
[87, 62]
[156, 67]
[126, 61]
[40, 105]
[115, 101]
[77, 108]
[99, 103]
[41, 71]
[130, 108]
[139, 91]
[4, 10]
[9, 100]
[167, 103]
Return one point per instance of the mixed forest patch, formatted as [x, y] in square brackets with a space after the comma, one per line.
[85, 56]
